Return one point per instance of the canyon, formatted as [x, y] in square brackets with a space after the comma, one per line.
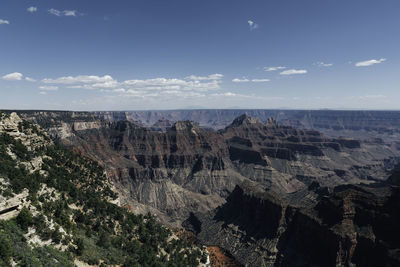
[258, 187]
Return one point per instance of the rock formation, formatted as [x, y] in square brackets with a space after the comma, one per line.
[353, 226]
[190, 169]
[334, 123]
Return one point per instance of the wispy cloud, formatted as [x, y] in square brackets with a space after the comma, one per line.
[65, 13]
[48, 88]
[15, 76]
[322, 64]
[3, 21]
[70, 13]
[32, 9]
[293, 72]
[30, 79]
[80, 79]
[252, 25]
[260, 80]
[55, 12]
[274, 68]
[371, 62]
[216, 76]
[245, 80]
[225, 94]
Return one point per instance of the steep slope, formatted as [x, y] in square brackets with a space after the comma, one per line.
[174, 172]
[189, 169]
[353, 226]
[290, 158]
[59, 209]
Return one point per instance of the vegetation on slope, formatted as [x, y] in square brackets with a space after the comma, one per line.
[69, 213]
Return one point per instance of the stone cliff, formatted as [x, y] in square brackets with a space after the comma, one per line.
[353, 226]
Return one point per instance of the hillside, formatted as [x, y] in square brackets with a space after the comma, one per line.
[58, 208]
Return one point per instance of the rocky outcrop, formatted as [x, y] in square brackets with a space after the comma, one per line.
[353, 226]
[280, 141]
[82, 126]
[9, 124]
[11, 205]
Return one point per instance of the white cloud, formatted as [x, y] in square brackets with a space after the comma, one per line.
[260, 80]
[42, 93]
[215, 76]
[155, 82]
[70, 13]
[293, 71]
[80, 79]
[32, 9]
[93, 85]
[192, 86]
[60, 13]
[371, 62]
[274, 68]
[30, 79]
[15, 76]
[245, 80]
[252, 25]
[120, 90]
[225, 94]
[164, 83]
[3, 21]
[107, 84]
[237, 80]
[48, 88]
[322, 64]
[55, 12]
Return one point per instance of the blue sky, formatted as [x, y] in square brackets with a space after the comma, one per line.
[173, 54]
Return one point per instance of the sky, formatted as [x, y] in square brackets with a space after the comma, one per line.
[183, 54]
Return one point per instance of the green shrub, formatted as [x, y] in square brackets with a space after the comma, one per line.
[80, 246]
[24, 219]
[56, 235]
[5, 249]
